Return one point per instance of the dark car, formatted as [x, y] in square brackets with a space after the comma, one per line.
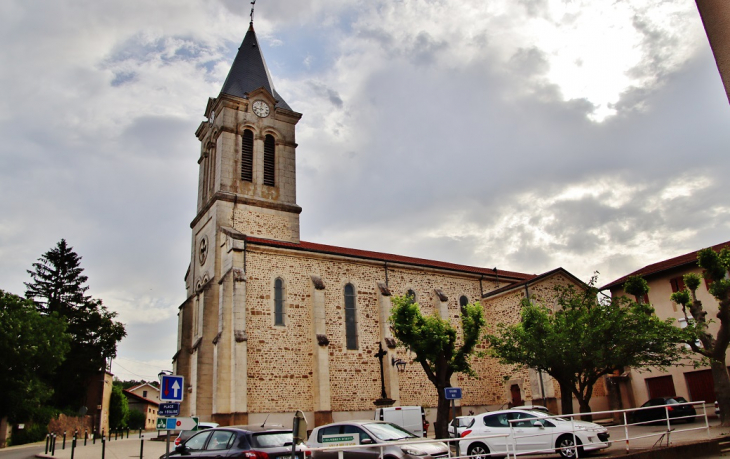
[677, 408]
[185, 434]
[245, 442]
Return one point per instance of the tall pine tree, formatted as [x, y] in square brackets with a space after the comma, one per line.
[58, 286]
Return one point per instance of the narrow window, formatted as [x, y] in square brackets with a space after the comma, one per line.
[247, 156]
[269, 160]
[463, 301]
[350, 317]
[410, 293]
[278, 302]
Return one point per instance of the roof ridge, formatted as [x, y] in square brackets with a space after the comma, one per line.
[345, 251]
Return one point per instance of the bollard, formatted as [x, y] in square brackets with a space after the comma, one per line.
[93, 436]
[127, 432]
[103, 447]
[73, 446]
[86, 436]
[140, 432]
[110, 435]
[116, 433]
[48, 441]
[64, 440]
[53, 444]
[141, 447]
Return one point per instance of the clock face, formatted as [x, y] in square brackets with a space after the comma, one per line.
[260, 109]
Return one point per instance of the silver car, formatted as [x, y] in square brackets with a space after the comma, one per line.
[372, 436]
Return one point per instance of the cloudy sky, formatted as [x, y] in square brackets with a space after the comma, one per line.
[521, 134]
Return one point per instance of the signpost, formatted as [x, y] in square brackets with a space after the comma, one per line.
[171, 390]
[453, 394]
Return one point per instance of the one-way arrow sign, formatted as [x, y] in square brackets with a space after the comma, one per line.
[172, 388]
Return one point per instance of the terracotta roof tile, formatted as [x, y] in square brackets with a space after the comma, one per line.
[365, 254]
[655, 268]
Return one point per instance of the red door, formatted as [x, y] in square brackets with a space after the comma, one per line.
[661, 386]
[701, 386]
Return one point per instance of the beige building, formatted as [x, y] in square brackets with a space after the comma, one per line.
[273, 324]
[686, 380]
[144, 398]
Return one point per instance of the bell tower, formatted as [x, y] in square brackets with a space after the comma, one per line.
[246, 187]
[247, 154]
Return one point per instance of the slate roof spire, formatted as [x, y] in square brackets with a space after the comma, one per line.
[249, 71]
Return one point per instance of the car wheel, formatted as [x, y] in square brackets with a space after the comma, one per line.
[566, 447]
[478, 451]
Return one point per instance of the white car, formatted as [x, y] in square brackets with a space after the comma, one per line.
[530, 431]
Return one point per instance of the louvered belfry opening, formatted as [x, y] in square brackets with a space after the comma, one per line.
[247, 156]
[269, 160]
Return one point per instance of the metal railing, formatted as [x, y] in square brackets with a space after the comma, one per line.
[517, 437]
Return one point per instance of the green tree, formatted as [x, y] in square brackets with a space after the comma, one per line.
[434, 341]
[136, 419]
[31, 346]
[57, 287]
[585, 338]
[714, 348]
[118, 408]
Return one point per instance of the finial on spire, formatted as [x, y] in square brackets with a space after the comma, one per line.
[253, 3]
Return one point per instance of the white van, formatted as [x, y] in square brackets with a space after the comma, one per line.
[411, 418]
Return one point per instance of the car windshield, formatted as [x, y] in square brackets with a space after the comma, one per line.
[386, 431]
[675, 400]
[272, 439]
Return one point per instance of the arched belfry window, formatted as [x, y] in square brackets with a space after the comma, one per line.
[269, 160]
[279, 302]
[247, 156]
[350, 317]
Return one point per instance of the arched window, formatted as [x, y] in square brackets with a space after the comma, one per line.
[269, 160]
[279, 302]
[410, 293]
[350, 317]
[247, 156]
[463, 301]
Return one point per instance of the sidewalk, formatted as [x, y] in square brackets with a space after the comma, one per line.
[114, 449]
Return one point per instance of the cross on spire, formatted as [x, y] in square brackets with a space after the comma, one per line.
[253, 3]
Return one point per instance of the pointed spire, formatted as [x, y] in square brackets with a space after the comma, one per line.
[249, 71]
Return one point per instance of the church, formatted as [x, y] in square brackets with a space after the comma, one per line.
[272, 324]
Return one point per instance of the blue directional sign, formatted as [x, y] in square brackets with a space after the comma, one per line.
[172, 388]
[452, 393]
[168, 410]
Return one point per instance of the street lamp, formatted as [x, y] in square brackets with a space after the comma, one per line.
[399, 364]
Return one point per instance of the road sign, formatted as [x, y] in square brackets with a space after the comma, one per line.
[172, 388]
[168, 409]
[177, 423]
[452, 393]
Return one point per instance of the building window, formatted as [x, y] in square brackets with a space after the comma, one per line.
[410, 293]
[350, 317]
[278, 301]
[269, 160]
[144, 393]
[677, 284]
[463, 301]
[247, 156]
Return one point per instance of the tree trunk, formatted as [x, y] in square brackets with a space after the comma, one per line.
[566, 398]
[722, 390]
[585, 408]
[441, 426]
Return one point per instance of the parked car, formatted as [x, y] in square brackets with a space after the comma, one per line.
[254, 442]
[531, 431]
[676, 407]
[459, 424]
[370, 435]
[185, 434]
